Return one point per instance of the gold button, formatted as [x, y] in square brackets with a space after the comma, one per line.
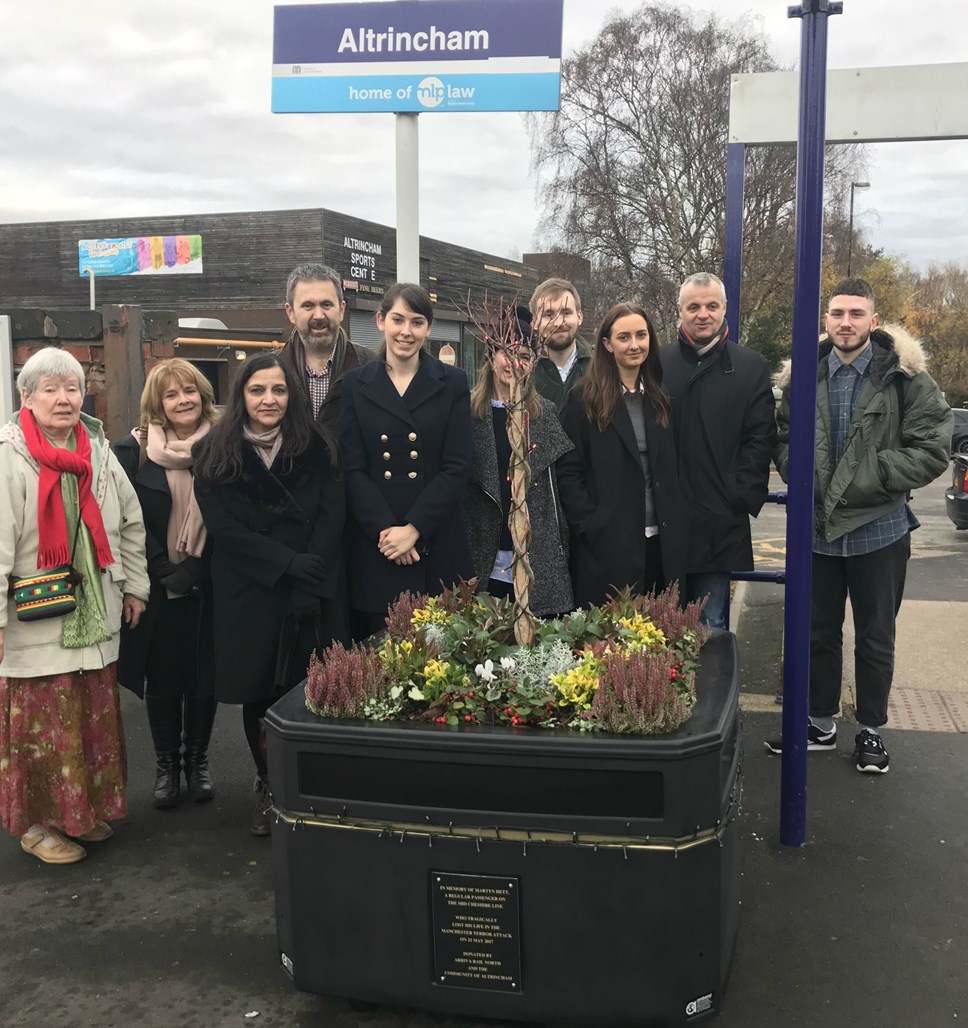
[386, 456]
[411, 474]
[384, 439]
[387, 474]
[412, 437]
[413, 454]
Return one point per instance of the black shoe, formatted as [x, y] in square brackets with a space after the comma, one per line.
[165, 722]
[817, 741]
[261, 807]
[199, 718]
[870, 753]
[167, 781]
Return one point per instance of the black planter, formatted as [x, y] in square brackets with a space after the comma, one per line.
[513, 873]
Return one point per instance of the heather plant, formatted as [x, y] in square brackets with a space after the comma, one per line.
[342, 682]
[643, 693]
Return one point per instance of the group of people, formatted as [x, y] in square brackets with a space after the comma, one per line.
[231, 545]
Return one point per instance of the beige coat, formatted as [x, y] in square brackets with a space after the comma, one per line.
[33, 648]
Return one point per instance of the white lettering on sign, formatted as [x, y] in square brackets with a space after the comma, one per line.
[369, 41]
[363, 255]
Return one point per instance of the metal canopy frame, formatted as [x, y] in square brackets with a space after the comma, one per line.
[890, 104]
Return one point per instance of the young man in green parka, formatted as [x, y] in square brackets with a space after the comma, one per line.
[883, 429]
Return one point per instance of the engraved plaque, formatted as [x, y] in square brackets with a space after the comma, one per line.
[477, 931]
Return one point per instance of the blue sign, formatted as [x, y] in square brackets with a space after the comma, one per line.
[417, 55]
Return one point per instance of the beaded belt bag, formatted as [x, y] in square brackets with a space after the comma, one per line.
[50, 593]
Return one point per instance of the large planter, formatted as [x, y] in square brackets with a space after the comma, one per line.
[515, 873]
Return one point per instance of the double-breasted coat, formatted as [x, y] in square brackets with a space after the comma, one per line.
[407, 459]
[257, 524]
[602, 488]
[175, 635]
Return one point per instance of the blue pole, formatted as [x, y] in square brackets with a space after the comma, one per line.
[733, 245]
[803, 413]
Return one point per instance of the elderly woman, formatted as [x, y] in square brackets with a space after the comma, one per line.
[168, 659]
[64, 499]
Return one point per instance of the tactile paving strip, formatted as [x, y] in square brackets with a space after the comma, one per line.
[957, 704]
[921, 710]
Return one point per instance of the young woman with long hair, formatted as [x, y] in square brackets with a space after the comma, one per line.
[619, 485]
[168, 658]
[273, 501]
[405, 439]
[487, 499]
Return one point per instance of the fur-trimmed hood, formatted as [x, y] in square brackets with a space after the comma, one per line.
[911, 358]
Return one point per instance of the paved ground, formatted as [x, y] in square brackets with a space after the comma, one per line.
[172, 923]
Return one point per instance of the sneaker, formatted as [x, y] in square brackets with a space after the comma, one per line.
[870, 753]
[261, 807]
[817, 740]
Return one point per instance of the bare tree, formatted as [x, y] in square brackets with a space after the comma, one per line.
[632, 168]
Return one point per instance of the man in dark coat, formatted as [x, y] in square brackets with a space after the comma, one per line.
[319, 350]
[557, 316]
[723, 418]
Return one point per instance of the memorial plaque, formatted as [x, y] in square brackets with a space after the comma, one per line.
[477, 931]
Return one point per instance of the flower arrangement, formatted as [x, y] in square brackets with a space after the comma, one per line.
[626, 666]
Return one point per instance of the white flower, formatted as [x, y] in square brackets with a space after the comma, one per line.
[508, 664]
[485, 671]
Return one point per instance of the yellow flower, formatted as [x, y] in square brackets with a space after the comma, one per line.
[435, 670]
[643, 633]
[429, 615]
[577, 686]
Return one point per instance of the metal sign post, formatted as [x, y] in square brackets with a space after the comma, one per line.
[408, 198]
[803, 414]
[6, 369]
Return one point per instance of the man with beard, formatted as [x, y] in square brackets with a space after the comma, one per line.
[319, 351]
[556, 311]
[883, 429]
[723, 420]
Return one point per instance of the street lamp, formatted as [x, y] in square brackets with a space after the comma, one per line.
[850, 229]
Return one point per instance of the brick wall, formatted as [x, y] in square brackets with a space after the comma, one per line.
[115, 346]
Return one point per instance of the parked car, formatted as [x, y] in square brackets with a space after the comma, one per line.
[956, 495]
[959, 437]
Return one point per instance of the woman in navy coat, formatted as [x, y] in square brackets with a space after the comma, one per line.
[619, 485]
[405, 441]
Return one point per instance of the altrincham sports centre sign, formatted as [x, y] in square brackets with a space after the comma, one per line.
[417, 55]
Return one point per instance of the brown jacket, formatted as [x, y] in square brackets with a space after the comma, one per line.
[346, 355]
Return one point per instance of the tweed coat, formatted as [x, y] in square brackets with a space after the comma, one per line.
[407, 460]
[549, 531]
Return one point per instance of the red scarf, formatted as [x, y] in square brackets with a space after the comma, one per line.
[51, 518]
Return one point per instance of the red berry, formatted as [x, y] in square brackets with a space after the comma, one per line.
[467, 717]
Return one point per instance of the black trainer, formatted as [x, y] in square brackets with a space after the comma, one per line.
[870, 753]
[816, 740]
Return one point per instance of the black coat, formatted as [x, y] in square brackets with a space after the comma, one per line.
[407, 460]
[723, 413]
[258, 523]
[602, 489]
[157, 628]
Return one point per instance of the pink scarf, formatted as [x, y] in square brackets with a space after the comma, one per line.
[186, 530]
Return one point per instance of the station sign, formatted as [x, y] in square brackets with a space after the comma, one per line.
[417, 56]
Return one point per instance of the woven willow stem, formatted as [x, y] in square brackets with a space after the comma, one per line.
[518, 519]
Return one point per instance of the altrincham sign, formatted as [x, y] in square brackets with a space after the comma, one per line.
[417, 55]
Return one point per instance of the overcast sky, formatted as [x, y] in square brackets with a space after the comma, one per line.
[114, 108]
